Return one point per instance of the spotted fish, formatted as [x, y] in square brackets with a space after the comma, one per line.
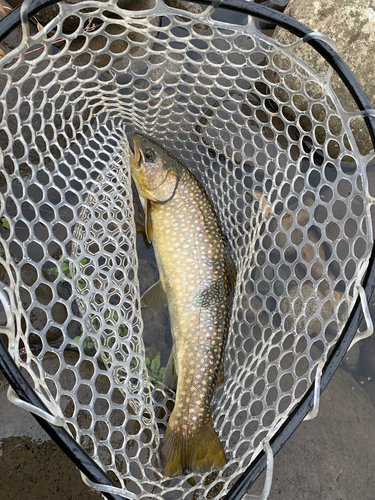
[196, 283]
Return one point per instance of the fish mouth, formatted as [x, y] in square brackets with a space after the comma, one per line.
[137, 139]
[137, 151]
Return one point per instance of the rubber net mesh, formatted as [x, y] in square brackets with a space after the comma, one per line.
[269, 141]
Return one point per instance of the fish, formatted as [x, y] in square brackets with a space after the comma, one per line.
[197, 278]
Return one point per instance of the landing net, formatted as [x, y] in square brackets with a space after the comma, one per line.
[274, 149]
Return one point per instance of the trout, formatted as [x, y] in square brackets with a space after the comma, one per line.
[196, 283]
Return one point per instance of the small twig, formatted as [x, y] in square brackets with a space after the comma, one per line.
[39, 48]
[91, 25]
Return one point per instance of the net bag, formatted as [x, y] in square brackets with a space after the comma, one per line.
[277, 154]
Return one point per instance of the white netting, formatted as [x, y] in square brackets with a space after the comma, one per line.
[273, 148]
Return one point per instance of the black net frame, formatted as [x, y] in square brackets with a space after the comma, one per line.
[62, 438]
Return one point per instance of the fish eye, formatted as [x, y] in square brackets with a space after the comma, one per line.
[149, 155]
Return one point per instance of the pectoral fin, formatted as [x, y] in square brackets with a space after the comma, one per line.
[155, 296]
[139, 216]
[148, 221]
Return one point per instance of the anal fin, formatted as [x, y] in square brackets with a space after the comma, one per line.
[155, 296]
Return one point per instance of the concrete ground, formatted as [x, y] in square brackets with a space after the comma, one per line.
[329, 458]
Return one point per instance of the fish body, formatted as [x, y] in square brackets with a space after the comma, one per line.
[196, 281]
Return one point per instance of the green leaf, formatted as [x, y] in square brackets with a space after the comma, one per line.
[147, 361]
[153, 365]
[81, 284]
[88, 343]
[157, 361]
[162, 370]
[5, 223]
[123, 330]
[53, 270]
[65, 268]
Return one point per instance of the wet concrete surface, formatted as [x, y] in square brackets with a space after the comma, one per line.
[329, 458]
[32, 466]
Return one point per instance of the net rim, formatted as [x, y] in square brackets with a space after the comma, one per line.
[60, 435]
[13, 20]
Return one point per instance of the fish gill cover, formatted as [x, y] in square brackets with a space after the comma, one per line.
[273, 149]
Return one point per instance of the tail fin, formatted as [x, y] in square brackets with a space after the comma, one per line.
[197, 452]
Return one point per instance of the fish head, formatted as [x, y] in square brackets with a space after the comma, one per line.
[155, 172]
